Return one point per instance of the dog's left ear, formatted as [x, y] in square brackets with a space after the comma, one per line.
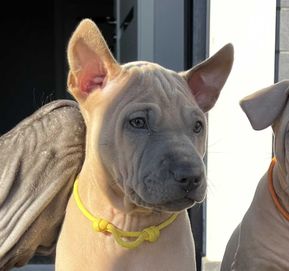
[208, 78]
[91, 63]
[264, 106]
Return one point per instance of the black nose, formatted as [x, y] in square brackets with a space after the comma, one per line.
[187, 178]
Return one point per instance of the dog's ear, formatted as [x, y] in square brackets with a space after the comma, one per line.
[207, 78]
[264, 106]
[90, 61]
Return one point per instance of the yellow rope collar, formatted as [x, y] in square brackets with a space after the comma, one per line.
[150, 234]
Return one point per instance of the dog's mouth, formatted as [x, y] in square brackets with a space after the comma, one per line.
[175, 205]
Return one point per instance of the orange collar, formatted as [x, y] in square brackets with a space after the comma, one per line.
[272, 191]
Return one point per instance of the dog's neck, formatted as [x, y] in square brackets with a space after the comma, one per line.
[107, 202]
[280, 185]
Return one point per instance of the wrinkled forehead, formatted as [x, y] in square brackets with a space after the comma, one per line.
[150, 81]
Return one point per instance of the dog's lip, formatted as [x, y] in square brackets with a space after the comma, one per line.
[177, 205]
[171, 206]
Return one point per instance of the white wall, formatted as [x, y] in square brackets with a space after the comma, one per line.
[237, 155]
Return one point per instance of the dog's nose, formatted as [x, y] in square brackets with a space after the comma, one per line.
[187, 178]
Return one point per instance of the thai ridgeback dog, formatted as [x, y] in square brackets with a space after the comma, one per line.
[143, 166]
[261, 241]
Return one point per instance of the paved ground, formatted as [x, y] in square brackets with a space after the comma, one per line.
[210, 266]
[35, 267]
[207, 266]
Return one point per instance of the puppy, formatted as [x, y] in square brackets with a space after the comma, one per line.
[143, 167]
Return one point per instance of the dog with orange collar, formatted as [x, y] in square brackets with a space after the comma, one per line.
[261, 241]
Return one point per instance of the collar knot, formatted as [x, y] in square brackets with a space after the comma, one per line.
[100, 225]
[151, 234]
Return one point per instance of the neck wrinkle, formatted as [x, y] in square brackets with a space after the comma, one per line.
[109, 205]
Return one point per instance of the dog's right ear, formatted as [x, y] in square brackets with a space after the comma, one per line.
[264, 106]
[90, 61]
[208, 78]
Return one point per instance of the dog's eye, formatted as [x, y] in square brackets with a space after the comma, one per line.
[138, 123]
[198, 127]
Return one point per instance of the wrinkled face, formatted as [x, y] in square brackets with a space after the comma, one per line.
[146, 129]
[152, 140]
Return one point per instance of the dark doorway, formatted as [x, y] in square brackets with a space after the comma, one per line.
[33, 59]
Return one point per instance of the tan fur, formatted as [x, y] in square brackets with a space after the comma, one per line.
[79, 247]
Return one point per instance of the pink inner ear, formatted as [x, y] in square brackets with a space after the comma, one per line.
[91, 83]
[203, 90]
[196, 84]
[93, 73]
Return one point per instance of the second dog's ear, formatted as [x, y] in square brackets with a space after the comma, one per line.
[90, 61]
[264, 106]
[207, 79]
